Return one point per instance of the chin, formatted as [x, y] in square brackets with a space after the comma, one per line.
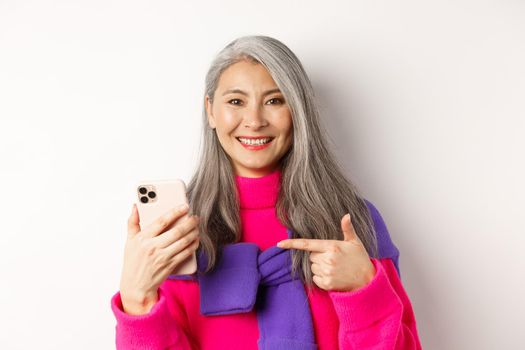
[256, 168]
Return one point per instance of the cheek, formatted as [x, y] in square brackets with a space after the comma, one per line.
[286, 126]
[226, 120]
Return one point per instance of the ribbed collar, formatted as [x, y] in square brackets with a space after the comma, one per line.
[259, 192]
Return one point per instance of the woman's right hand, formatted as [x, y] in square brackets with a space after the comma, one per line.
[152, 254]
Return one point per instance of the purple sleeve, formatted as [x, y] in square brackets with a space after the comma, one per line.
[386, 248]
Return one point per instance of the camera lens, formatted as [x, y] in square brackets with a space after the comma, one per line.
[152, 194]
[143, 190]
[144, 199]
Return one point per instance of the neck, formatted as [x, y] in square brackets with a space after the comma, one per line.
[259, 192]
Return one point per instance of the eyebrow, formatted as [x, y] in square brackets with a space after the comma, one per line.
[239, 91]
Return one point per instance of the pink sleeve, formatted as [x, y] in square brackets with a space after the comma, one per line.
[378, 315]
[161, 328]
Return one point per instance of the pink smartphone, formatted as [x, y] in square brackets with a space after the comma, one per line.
[154, 198]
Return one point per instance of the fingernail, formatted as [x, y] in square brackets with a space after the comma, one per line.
[184, 206]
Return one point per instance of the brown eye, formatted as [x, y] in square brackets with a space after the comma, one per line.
[235, 99]
[276, 99]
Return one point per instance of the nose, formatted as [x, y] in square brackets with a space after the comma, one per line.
[254, 119]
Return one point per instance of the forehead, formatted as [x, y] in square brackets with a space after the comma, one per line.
[246, 75]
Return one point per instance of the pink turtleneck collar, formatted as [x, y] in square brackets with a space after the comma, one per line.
[259, 192]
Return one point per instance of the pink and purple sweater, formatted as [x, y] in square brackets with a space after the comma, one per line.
[376, 316]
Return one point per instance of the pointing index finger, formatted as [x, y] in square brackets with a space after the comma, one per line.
[312, 245]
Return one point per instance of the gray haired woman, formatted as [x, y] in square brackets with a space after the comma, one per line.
[290, 254]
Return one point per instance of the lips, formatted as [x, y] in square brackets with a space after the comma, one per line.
[255, 147]
[269, 138]
[255, 137]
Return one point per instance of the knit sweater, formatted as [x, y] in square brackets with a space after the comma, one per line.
[376, 316]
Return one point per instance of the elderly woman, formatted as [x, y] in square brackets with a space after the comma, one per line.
[290, 255]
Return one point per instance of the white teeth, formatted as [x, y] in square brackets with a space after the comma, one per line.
[254, 142]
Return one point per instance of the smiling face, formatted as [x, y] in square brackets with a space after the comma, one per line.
[248, 104]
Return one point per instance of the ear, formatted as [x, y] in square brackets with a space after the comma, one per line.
[208, 105]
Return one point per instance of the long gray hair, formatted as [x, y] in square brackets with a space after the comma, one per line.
[314, 194]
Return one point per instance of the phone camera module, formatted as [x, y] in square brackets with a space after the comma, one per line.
[147, 193]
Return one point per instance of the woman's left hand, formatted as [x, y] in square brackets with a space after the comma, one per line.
[337, 265]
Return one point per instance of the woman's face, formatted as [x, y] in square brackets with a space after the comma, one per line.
[255, 109]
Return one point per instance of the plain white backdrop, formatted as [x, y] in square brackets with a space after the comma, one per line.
[424, 101]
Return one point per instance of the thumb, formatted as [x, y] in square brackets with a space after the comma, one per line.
[133, 221]
[348, 228]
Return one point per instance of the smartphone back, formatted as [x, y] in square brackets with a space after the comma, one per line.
[155, 198]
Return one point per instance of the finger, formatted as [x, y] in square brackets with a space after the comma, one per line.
[181, 229]
[133, 221]
[321, 259]
[165, 220]
[348, 228]
[313, 245]
[178, 246]
[315, 257]
[317, 270]
[179, 255]
[319, 281]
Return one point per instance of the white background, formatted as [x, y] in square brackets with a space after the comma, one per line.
[423, 99]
